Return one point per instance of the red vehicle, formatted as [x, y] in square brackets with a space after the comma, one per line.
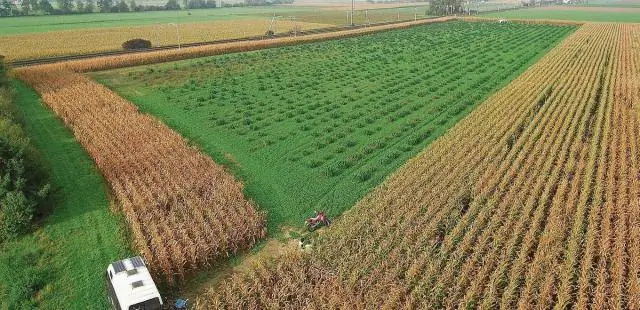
[317, 221]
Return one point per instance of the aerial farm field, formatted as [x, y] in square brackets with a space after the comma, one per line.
[529, 202]
[465, 163]
[577, 13]
[61, 264]
[90, 33]
[308, 133]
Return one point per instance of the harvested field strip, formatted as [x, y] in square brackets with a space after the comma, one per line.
[185, 211]
[531, 201]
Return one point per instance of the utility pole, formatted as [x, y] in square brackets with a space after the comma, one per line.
[271, 31]
[367, 21]
[352, 6]
[158, 35]
[177, 32]
[294, 20]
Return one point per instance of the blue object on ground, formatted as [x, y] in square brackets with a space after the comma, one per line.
[181, 303]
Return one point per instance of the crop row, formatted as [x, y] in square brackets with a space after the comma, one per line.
[332, 127]
[371, 97]
[184, 210]
[530, 202]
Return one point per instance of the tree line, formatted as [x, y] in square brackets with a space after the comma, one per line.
[445, 7]
[24, 189]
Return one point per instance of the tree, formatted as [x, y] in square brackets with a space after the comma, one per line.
[79, 6]
[26, 6]
[16, 213]
[123, 7]
[133, 6]
[445, 7]
[45, 6]
[172, 5]
[211, 3]
[65, 5]
[105, 5]
[89, 6]
[22, 176]
[7, 8]
[196, 4]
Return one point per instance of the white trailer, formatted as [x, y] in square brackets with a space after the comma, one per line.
[131, 287]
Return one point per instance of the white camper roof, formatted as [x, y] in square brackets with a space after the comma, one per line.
[132, 282]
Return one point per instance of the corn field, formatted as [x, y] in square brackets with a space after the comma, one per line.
[185, 211]
[532, 201]
[72, 42]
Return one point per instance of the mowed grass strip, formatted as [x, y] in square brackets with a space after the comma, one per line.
[575, 13]
[61, 265]
[316, 126]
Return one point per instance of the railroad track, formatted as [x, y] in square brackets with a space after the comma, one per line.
[48, 60]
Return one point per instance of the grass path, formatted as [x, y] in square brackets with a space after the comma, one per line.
[590, 14]
[81, 235]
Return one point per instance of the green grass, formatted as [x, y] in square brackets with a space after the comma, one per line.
[316, 126]
[65, 259]
[35, 24]
[613, 3]
[569, 13]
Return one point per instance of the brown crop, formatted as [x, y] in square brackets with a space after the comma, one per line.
[72, 42]
[532, 201]
[185, 211]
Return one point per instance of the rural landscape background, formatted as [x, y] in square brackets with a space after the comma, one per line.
[478, 154]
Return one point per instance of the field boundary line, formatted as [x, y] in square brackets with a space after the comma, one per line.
[558, 22]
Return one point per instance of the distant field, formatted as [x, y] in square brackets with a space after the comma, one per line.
[577, 13]
[613, 3]
[362, 15]
[491, 6]
[72, 42]
[308, 132]
[43, 36]
[49, 23]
